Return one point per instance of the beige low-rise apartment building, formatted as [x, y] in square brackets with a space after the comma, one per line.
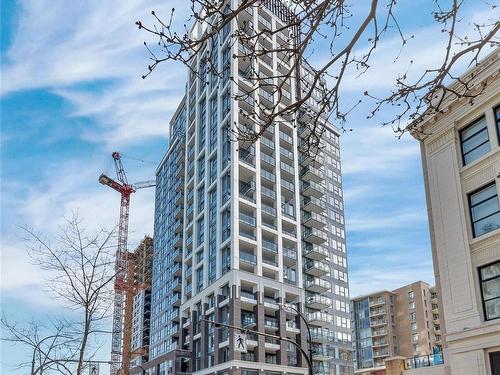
[461, 162]
[403, 322]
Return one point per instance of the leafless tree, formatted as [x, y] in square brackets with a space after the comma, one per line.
[49, 348]
[345, 32]
[80, 272]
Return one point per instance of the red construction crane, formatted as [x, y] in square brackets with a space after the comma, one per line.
[120, 338]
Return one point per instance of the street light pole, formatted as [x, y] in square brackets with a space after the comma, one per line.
[285, 306]
[304, 353]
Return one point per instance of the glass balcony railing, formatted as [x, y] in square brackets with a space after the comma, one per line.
[267, 142]
[270, 246]
[268, 192]
[267, 175]
[250, 220]
[248, 257]
[271, 322]
[290, 253]
[247, 294]
[424, 361]
[268, 209]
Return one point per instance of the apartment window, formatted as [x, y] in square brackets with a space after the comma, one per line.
[490, 290]
[414, 327]
[199, 279]
[474, 141]
[495, 363]
[413, 316]
[411, 294]
[411, 305]
[201, 199]
[201, 168]
[484, 210]
[414, 337]
[497, 119]
[213, 169]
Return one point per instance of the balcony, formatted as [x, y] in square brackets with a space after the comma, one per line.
[247, 219]
[318, 301]
[177, 239]
[380, 343]
[271, 323]
[424, 361]
[317, 285]
[290, 254]
[310, 173]
[267, 209]
[380, 354]
[315, 236]
[313, 251]
[247, 191]
[377, 302]
[268, 193]
[321, 335]
[311, 188]
[313, 204]
[316, 268]
[266, 98]
[269, 246]
[269, 262]
[270, 176]
[267, 142]
[291, 326]
[247, 156]
[178, 212]
[248, 258]
[377, 312]
[314, 220]
[287, 138]
[268, 159]
[322, 353]
[286, 153]
[248, 321]
[379, 333]
[378, 323]
[248, 297]
[320, 318]
[286, 168]
[177, 254]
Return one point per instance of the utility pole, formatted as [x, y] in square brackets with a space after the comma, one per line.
[281, 338]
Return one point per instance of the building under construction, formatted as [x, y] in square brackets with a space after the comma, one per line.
[141, 262]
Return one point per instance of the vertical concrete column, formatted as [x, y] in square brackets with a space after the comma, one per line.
[204, 338]
[260, 355]
[281, 316]
[191, 341]
[234, 319]
[302, 338]
[217, 318]
[394, 365]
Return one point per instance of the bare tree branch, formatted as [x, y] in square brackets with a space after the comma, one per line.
[274, 79]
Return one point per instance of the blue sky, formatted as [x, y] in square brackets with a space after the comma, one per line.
[72, 93]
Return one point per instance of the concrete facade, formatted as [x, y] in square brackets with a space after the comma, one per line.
[462, 245]
[246, 230]
[404, 322]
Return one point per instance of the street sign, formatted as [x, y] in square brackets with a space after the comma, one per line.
[94, 369]
[240, 342]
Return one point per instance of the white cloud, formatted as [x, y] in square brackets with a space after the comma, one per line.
[374, 149]
[66, 188]
[92, 54]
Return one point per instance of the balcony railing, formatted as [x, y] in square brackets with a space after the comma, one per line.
[248, 219]
[269, 246]
[424, 361]
[248, 258]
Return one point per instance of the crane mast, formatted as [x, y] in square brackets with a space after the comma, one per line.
[123, 287]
